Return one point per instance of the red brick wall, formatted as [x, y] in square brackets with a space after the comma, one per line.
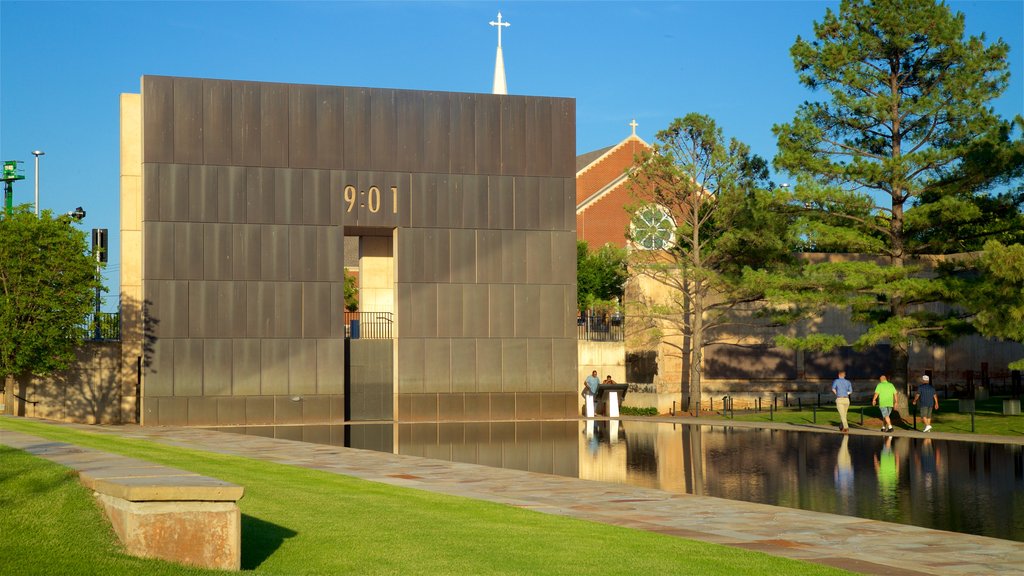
[611, 167]
[606, 220]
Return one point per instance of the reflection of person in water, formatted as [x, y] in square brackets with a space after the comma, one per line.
[928, 459]
[843, 473]
[888, 470]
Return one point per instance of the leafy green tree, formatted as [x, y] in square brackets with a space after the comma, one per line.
[701, 224]
[900, 160]
[600, 275]
[351, 293]
[47, 288]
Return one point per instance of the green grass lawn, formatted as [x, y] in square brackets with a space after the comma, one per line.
[988, 418]
[298, 521]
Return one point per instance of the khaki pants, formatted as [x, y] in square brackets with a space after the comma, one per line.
[843, 406]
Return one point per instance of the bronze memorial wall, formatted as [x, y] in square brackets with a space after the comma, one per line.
[247, 192]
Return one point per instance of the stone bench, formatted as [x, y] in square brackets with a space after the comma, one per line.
[156, 511]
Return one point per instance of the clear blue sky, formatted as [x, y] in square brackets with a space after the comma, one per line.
[63, 65]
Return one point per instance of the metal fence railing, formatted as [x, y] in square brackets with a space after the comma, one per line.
[602, 328]
[366, 325]
[100, 326]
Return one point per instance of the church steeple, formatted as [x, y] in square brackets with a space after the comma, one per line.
[499, 61]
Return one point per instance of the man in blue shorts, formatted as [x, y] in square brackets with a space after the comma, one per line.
[926, 400]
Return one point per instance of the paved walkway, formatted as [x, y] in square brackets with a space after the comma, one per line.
[859, 545]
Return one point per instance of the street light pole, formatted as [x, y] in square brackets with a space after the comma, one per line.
[37, 154]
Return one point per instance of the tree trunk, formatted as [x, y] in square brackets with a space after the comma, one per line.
[8, 396]
[696, 348]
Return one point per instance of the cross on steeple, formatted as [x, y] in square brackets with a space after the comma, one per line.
[633, 124]
[500, 25]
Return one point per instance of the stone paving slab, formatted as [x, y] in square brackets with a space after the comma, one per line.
[856, 544]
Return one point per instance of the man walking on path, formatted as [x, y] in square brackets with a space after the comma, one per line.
[842, 388]
[885, 397]
[926, 400]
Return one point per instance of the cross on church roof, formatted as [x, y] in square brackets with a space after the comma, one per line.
[633, 124]
[500, 25]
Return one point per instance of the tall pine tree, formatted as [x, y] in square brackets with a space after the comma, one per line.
[897, 160]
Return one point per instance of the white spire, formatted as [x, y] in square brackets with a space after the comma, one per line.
[499, 61]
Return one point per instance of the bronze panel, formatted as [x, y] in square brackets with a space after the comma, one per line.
[527, 203]
[514, 159]
[454, 204]
[551, 204]
[314, 434]
[159, 247]
[286, 195]
[259, 204]
[564, 359]
[437, 257]
[259, 410]
[337, 408]
[437, 111]
[202, 185]
[451, 407]
[302, 129]
[217, 262]
[503, 406]
[474, 201]
[158, 119]
[488, 244]
[409, 153]
[464, 365]
[159, 376]
[513, 257]
[563, 258]
[202, 411]
[528, 406]
[217, 117]
[552, 405]
[501, 205]
[330, 128]
[357, 127]
[422, 408]
[513, 360]
[383, 130]
[501, 311]
[538, 367]
[151, 197]
[474, 310]
[424, 314]
[462, 146]
[527, 310]
[302, 367]
[316, 410]
[478, 407]
[404, 407]
[188, 251]
[172, 193]
[245, 367]
[169, 308]
[302, 250]
[316, 306]
[410, 365]
[287, 321]
[437, 361]
[569, 208]
[410, 256]
[274, 257]
[552, 311]
[247, 252]
[173, 412]
[489, 133]
[259, 301]
[201, 304]
[463, 256]
[488, 365]
[539, 152]
[316, 197]
[274, 125]
[246, 128]
[188, 367]
[274, 354]
[449, 310]
[231, 194]
[563, 137]
[288, 411]
[330, 366]
[538, 258]
[217, 367]
[230, 410]
[188, 121]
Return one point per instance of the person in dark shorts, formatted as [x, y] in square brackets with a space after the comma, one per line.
[926, 399]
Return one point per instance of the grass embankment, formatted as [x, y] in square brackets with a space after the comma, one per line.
[988, 418]
[298, 521]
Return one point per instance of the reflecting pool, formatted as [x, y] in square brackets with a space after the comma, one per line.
[966, 487]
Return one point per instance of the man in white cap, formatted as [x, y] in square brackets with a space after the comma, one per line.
[926, 399]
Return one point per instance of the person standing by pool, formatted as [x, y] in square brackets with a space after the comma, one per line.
[926, 400]
[842, 388]
[590, 386]
[885, 398]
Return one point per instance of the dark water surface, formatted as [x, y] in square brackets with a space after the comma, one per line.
[968, 487]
